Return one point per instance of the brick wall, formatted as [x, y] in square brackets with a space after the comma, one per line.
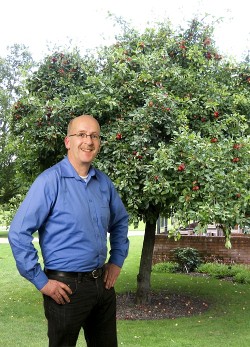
[210, 248]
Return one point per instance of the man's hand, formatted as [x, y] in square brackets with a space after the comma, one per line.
[112, 271]
[57, 290]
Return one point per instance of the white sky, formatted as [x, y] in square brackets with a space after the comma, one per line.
[38, 22]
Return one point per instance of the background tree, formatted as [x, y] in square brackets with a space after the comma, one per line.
[13, 69]
[171, 111]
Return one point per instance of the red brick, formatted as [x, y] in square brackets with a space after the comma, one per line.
[211, 248]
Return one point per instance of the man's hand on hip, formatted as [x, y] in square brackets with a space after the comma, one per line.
[58, 291]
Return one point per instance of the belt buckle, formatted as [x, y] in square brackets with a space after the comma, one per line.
[95, 273]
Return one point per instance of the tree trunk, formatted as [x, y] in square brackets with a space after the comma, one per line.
[143, 278]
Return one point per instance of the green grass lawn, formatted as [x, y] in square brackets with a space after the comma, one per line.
[225, 324]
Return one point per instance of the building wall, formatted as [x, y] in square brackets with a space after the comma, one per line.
[210, 248]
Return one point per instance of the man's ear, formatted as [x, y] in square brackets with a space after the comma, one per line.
[100, 147]
[67, 142]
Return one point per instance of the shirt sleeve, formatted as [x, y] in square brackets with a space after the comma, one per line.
[29, 217]
[118, 229]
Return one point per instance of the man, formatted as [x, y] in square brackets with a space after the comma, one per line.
[73, 206]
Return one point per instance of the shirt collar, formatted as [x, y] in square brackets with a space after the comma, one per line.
[67, 170]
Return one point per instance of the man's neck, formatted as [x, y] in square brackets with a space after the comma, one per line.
[82, 169]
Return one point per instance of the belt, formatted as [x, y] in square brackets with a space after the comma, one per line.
[96, 273]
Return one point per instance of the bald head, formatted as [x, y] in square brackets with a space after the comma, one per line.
[83, 119]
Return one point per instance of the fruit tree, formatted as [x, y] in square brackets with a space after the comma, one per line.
[175, 122]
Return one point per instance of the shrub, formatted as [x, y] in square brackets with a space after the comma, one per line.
[167, 267]
[188, 258]
[216, 270]
[239, 273]
[243, 276]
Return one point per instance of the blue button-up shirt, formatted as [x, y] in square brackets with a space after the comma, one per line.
[73, 217]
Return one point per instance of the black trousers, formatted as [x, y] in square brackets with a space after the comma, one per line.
[92, 307]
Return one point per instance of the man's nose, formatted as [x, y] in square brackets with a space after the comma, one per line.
[88, 139]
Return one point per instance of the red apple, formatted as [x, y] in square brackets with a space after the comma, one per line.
[217, 56]
[237, 146]
[208, 55]
[195, 188]
[181, 167]
[207, 41]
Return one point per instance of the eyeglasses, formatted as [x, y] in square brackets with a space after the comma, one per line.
[94, 137]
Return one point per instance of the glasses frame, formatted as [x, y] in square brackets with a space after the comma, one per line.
[93, 137]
